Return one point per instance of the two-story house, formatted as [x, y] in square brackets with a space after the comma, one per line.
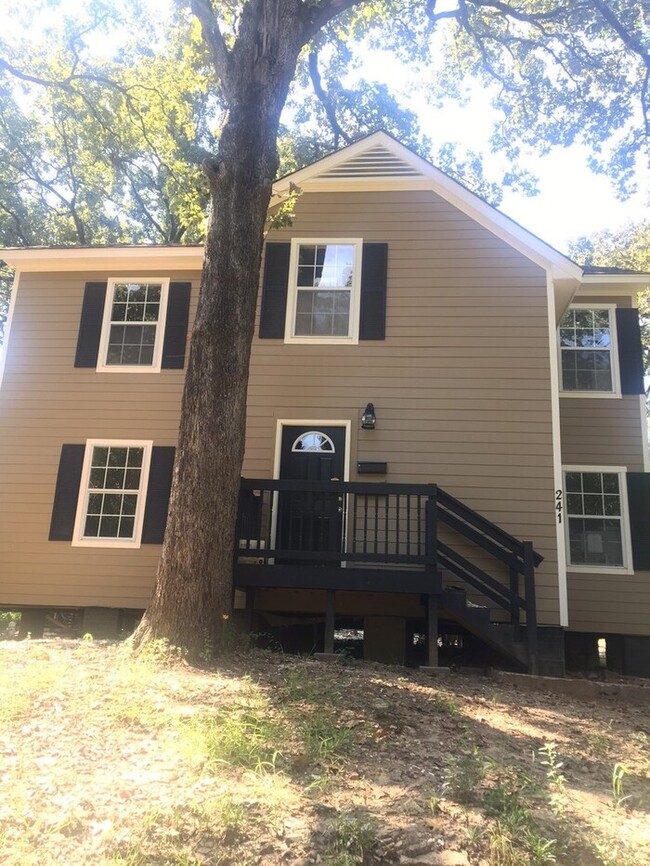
[446, 436]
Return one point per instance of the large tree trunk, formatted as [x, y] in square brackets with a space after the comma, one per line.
[193, 591]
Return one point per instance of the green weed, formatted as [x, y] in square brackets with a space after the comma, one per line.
[445, 704]
[352, 838]
[323, 739]
[465, 775]
[236, 738]
[619, 797]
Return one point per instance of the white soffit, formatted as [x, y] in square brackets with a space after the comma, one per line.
[132, 259]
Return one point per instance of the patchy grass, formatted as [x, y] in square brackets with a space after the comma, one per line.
[267, 759]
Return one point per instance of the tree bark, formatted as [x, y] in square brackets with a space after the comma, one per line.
[193, 591]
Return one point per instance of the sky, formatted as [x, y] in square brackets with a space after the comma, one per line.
[573, 201]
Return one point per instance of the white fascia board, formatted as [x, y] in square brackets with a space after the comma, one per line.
[10, 317]
[310, 178]
[147, 258]
[639, 282]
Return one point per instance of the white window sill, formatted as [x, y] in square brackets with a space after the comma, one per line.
[596, 569]
[322, 341]
[123, 368]
[597, 395]
[118, 543]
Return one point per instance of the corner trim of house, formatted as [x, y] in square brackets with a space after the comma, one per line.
[645, 444]
[10, 316]
[557, 449]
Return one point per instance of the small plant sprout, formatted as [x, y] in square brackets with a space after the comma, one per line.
[618, 795]
[553, 765]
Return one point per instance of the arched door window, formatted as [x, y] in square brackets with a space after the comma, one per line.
[313, 440]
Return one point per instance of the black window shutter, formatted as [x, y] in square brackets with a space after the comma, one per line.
[90, 326]
[178, 315]
[66, 493]
[157, 501]
[638, 498]
[630, 350]
[372, 324]
[274, 291]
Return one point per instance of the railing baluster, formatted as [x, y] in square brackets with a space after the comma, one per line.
[365, 523]
[397, 506]
[386, 522]
[408, 524]
[376, 524]
[353, 503]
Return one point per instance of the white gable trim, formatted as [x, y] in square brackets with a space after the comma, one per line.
[314, 179]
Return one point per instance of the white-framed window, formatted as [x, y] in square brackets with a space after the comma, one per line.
[597, 524]
[110, 509]
[588, 351]
[324, 291]
[133, 326]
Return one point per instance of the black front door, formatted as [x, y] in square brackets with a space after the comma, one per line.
[311, 521]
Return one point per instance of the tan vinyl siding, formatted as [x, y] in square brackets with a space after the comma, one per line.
[602, 432]
[44, 403]
[461, 386]
[612, 604]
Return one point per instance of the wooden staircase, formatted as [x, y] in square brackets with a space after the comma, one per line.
[384, 537]
[505, 638]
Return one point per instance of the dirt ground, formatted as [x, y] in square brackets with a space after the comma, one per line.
[273, 759]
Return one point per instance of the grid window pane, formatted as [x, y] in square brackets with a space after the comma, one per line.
[131, 342]
[585, 340]
[322, 314]
[324, 281]
[594, 515]
[114, 482]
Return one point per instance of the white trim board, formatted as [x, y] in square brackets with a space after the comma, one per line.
[155, 366]
[627, 568]
[558, 476]
[10, 317]
[84, 492]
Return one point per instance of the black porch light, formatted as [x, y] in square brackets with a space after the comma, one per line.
[368, 419]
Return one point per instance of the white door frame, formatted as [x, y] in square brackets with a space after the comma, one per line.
[314, 425]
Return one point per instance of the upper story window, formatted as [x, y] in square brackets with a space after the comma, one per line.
[324, 291]
[133, 325]
[111, 497]
[587, 339]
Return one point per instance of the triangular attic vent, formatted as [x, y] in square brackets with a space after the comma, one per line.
[375, 162]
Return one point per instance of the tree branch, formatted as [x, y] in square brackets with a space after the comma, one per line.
[213, 37]
[325, 99]
[630, 41]
[317, 15]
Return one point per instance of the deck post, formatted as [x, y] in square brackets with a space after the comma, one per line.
[330, 609]
[531, 608]
[515, 614]
[432, 631]
[431, 540]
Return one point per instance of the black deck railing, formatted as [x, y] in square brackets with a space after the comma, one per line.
[360, 525]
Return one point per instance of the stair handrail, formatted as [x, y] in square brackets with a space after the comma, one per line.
[448, 503]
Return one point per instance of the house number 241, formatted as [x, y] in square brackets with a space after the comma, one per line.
[559, 505]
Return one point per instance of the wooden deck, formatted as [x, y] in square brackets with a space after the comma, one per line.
[365, 537]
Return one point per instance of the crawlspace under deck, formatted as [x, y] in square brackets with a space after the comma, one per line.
[412, 539]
